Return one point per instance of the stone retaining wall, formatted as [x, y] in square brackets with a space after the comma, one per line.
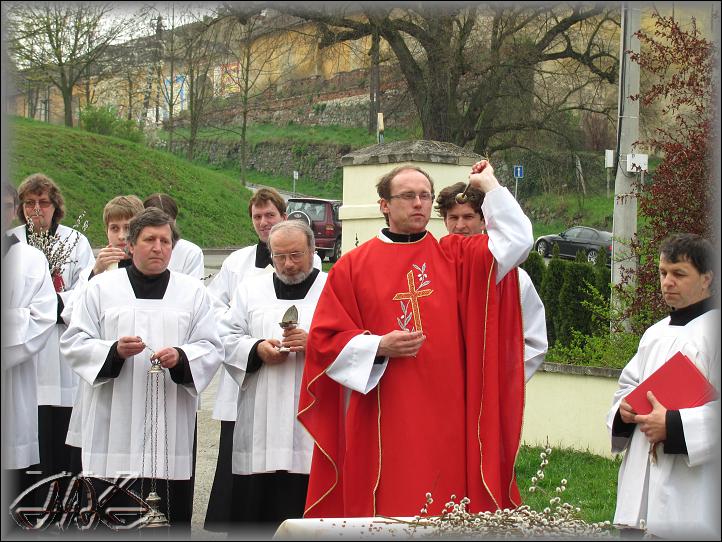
[318, 162]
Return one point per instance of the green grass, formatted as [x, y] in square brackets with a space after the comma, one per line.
[91, 169]
[304, 185]
[591, 481]
[552, 213]
[355, 137]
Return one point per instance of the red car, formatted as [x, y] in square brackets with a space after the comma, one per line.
[322, 216]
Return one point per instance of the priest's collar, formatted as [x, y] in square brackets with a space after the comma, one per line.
[683, 316]
[263, 255]
[294, 291]
[10, 240]
[148, 286]
[403, 237]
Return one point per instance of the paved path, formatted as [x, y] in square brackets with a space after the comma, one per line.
[208, 434]
[207, 454]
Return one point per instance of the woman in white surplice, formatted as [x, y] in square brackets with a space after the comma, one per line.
[124, 319]
[42, 205]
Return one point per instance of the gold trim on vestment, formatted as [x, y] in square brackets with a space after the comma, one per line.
[378, 422]
[523, 395]
[483, 383]
[335, 468]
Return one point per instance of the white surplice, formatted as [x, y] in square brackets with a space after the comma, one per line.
[534, 320]
[187, 258]
[57, 383]
[677, 495]
[267, 435]
[114, 409]
[28, 316]
[238, 266]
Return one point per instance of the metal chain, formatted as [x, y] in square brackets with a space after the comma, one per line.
[167, 476]
[145, 433]
[152, 412]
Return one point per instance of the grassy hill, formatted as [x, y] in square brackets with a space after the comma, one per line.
[90, 169]
[353, 136]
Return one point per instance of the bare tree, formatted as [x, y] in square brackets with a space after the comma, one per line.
[200, 46]
[62, 40]
[467, 66]
[167, 78]
[374, 82]
[254, 47]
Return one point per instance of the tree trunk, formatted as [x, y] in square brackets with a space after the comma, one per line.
[580, 174]
[244, 101]
[68, 105]
[130, 97]
[193, 128]
[33, 98]
[192, 141]
[374, 83]
[244, 157]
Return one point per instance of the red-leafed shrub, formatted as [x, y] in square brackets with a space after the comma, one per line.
[680, 195]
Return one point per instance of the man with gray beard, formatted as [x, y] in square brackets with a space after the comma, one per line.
[271, 450]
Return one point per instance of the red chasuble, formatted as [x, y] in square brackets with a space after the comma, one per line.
[447, 421]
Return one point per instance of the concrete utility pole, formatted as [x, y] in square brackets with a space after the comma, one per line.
[625, 208]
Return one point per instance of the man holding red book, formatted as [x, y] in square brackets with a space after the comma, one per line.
[669, 477]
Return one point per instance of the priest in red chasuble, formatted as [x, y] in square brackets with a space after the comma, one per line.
[414, 375]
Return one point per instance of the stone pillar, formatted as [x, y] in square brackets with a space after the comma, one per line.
[446, 163]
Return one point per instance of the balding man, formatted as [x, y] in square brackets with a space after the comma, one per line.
[266, 208]
[271, 450]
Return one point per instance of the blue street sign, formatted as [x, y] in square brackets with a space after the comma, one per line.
[518, 172]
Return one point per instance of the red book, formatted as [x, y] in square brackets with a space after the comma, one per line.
[676, 384]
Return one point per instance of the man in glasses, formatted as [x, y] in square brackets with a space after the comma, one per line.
[414, 378]
[266, 209]
[265, 345]
[43, 206]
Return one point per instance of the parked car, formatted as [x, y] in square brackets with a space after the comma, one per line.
[322, 216]
[575, 239]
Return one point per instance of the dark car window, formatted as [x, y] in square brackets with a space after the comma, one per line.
[315, 211]
[573, 233]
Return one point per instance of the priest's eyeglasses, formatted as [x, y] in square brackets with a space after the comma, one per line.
[409, 196]
[43, 203]
[295, 257]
